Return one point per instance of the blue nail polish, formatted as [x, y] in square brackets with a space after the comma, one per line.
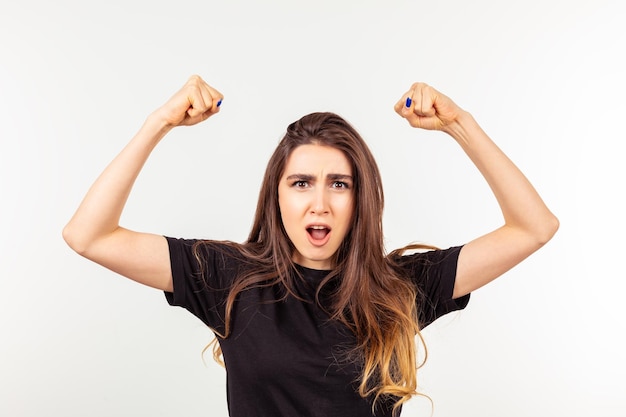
[219, 103]
[408, 102]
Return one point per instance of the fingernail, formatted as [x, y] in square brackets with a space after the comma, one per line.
[219, 103]
[408, 102]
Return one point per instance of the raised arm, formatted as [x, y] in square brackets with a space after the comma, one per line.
[94, 231]
[528, 223]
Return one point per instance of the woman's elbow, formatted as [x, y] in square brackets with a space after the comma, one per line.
[74, 239]
[548, 229]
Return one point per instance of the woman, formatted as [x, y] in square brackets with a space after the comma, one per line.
[310, 314]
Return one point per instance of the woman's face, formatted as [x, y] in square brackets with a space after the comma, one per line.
[316, 200]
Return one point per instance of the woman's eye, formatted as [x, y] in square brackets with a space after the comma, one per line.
[340, 184]
[300, 184]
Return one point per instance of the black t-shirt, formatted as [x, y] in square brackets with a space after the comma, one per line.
[286, 358]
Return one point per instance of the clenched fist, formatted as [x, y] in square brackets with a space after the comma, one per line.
[424, 107]
[195, 102]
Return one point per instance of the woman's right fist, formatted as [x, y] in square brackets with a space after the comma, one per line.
[195, 102]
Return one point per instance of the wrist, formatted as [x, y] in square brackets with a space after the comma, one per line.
[153, 130]
[157, 124]
[460, 129]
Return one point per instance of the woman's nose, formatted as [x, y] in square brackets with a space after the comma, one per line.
[319, 205]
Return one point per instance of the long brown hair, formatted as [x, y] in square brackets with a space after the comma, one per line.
[373, 299]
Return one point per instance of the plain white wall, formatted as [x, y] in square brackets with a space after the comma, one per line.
[544, 78]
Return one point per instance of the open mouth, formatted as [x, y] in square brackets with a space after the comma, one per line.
[318, 233]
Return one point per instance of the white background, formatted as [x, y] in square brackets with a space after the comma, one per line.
[544, 78]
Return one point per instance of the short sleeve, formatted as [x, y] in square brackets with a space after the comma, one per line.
[201, 279]
[434, 274]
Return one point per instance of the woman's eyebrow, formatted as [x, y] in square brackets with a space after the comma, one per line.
[309, 177]
[301, 177]
[339, 177]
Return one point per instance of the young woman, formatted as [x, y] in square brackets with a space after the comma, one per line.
[312, 317]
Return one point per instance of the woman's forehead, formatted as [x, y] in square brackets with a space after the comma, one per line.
[313, 159]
